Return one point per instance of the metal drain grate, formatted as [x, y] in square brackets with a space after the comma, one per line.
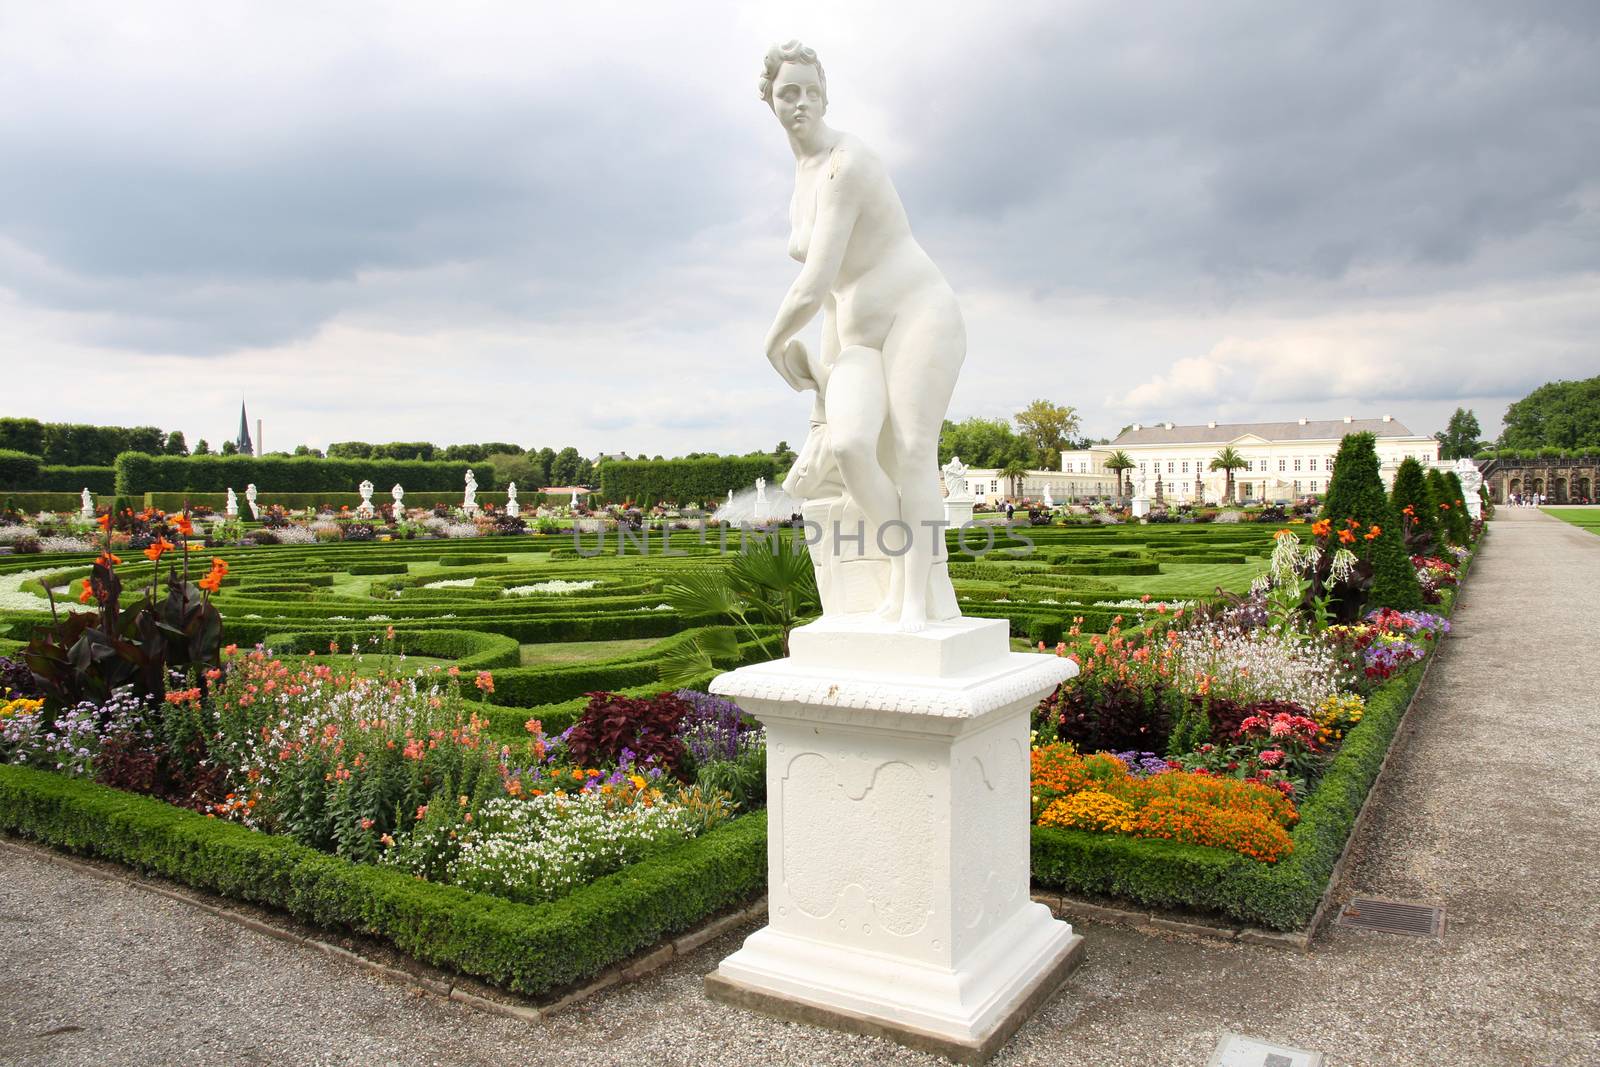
[1393, 917]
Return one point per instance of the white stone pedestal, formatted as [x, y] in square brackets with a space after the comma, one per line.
[958, 512]
[1141, 507]
[898, 830]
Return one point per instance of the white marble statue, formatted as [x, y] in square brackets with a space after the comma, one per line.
[577, 496]
[956, 486]
[231, 509]
[512, 507]
[469, 499]
[1049, 501]
[87, 504]
[893, 341]
[1471, 483]
[761, 490]
[250, 498]
[399, 495]
[365, 509]
[730, 496]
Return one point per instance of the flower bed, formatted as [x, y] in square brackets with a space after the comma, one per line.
[1235, 740]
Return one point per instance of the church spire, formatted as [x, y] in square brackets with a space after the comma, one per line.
[245, 447]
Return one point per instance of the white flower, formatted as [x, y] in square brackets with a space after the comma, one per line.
[452, 583]
[555, 586]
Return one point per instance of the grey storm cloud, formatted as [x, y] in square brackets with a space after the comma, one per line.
[1147, 148]
[1148, 208]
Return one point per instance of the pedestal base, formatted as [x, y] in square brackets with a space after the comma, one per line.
[964, 1017]
[898, 846]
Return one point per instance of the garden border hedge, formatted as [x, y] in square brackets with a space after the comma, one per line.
[525, 948]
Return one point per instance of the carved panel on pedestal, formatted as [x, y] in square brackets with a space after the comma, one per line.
[991, 834]
[848, 821]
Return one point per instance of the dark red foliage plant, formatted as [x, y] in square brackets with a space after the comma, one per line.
[613, 727]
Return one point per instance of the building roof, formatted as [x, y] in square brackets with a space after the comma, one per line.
[1223, 432]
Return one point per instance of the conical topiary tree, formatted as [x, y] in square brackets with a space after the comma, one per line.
[1355, 507]
[1445, 506]
[1414, 508]
[1461, 522]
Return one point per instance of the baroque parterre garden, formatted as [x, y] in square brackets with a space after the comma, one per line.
[488, 740]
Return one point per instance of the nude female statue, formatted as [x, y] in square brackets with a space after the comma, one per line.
[893, 339]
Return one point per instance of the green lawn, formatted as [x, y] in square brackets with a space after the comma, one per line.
[561, 652]
[1587, 518]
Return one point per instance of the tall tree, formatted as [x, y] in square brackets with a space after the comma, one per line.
[1556, 415]
[230, 448]
[1460, 436]
[1047, 429]
[980, 442]
[1415, 508]
[201, 448]
[175, 444]
[564, 468]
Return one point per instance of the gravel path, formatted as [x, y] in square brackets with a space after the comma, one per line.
[1487, 810]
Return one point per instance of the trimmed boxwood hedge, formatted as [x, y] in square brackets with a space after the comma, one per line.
[529, 949]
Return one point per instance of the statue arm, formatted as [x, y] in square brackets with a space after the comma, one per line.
[838, 206]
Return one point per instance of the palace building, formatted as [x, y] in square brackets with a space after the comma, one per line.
[1285, 461]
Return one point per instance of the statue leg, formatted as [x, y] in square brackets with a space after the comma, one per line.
[856, 402]
[922, 357]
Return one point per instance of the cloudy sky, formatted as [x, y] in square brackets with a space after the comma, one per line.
[566, 223]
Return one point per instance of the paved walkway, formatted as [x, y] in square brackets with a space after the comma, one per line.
[1490, 810]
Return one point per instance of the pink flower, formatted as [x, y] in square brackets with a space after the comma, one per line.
[1271, 757]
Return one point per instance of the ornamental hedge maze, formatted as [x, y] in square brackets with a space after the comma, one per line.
[553, 621]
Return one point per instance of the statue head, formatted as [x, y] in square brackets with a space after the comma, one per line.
[794, 86]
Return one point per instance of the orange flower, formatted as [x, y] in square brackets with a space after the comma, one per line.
[183, 525]
[108, 560]
[211, 582]
[87, 594]
[1321, 527]
[219, 565]
[485, 681]
[1374, 532]
[104, 521]
[1353, 524]
[1346, 537]
[160, 548]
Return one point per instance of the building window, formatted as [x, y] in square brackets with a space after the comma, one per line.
[1186, 466]
[1141, 466]
[1297, 487]
[1313, 463]
[1313, 482]
[1083, 466]
[1244, 490]
[994, 486]
[1281, 463]
[1169, 466]
[1297, 463]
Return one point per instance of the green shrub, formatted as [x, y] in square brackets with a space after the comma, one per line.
[706, 480]
[140, 473]
[529, 949]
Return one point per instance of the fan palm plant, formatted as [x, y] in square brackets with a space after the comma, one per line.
[1229, 460]
[1118, 461]
[770, 585]
[1014, 472]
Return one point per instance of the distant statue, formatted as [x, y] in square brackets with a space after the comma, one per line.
[87, 502]
[955, 480]
[365, 509]
[250, 498]
[1471, 483]
[513, 508]
[399, 495]
[1049, 501]
[469, 501]
[893, 342]
[232, 508]
[761, 490]
[730, 496]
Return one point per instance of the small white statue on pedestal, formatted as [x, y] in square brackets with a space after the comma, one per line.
[958, 501]
[399, 495]
[513, 508]
[730, 496]
[1471, 483]
[231, 509]
[469, 500]
[87, 502]
[1049, 501]
[250, 498]
[365, 509]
